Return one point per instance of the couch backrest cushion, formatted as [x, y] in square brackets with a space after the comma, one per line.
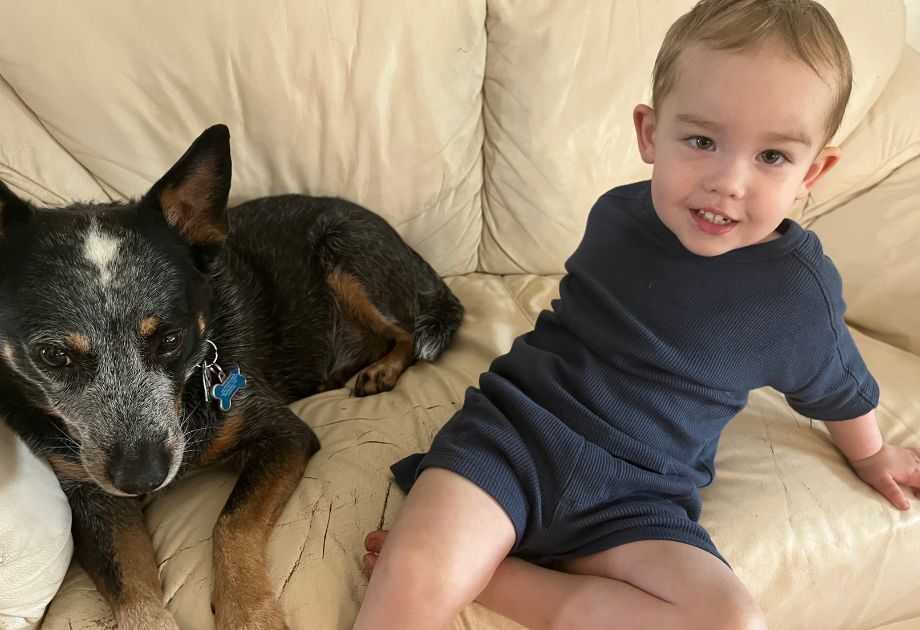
[483, 131]
[873, 240]
[379, 102]
[887, 137]
[562, 78]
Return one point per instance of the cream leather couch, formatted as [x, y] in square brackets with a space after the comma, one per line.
[483, 130]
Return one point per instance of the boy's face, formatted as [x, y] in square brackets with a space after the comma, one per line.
[737, 140]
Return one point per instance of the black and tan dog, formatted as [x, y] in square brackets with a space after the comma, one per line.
[119, 324]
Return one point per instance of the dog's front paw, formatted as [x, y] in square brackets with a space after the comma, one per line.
[165, 623]
[376, 378]
[264, 615]
[148, 618]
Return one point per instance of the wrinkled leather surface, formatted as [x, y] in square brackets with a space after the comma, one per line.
[483, 131]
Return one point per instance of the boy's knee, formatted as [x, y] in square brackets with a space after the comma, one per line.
[419, 574]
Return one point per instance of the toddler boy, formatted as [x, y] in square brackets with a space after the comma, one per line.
[565, 492]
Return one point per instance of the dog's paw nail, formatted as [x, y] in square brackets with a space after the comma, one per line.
[213, 609]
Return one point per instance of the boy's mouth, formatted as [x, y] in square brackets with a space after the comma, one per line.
[711, 222]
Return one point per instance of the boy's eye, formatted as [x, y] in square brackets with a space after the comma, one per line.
[772, 157]
[701, 142]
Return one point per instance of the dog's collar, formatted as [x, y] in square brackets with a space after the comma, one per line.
[218, 385]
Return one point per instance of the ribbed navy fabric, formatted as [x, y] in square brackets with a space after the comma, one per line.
[599, 426]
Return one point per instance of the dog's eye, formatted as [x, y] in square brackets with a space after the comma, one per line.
[55, 357]
[170, 342]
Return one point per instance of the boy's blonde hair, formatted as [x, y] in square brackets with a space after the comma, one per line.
[803, 27]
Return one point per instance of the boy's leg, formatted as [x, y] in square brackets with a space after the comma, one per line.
[443, 548]
[648, 584]
[651, 584]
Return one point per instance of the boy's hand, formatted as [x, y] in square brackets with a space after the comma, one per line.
[891, 466]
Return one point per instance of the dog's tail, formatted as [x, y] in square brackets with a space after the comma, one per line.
[439, 316]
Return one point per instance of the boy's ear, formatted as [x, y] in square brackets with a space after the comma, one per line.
[644, 120]
[193, 194]
[12, 209]
[823, 162]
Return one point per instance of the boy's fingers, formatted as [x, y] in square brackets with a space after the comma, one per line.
[891, 491]
[913, 472]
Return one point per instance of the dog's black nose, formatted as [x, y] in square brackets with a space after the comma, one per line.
[140, 467]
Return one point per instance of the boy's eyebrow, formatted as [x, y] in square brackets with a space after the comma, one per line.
[793, 136]
[773, 136]
[696, 120]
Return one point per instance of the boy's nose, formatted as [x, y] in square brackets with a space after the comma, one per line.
[727, 180]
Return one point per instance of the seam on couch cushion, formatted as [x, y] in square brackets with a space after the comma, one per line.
[517, 303]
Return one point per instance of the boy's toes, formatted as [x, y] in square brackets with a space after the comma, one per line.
[374, 541]
[369, 560]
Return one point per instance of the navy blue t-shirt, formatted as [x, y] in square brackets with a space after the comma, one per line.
[651, 349]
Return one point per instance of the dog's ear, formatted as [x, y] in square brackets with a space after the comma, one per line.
[193, 193]
[13, 210]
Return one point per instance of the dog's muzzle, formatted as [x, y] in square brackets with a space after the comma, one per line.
[139, 468]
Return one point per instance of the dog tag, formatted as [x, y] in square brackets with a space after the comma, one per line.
[211, 374]
[228, 387]
[217, 385]
[206, 383]
[207, 374]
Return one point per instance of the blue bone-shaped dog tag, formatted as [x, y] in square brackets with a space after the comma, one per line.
[226, 390]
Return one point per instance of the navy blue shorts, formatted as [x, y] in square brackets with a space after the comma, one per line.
[566, 496]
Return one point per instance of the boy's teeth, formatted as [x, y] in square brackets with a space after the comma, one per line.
[713, 218]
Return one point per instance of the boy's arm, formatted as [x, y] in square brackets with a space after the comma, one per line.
[880, 465]
[857, 438]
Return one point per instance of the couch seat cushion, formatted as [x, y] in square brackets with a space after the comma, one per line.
[796, 524]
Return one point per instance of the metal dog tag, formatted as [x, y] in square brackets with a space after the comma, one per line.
[206, 383]
[217, 385]
[211, 376]
[206, 372]
[228, 387]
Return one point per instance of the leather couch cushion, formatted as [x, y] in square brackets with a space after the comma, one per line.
[379, 102]
[818, 527]
[35, 541]
[560, 87]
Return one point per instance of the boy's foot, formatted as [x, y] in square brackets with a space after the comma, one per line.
[373, 542]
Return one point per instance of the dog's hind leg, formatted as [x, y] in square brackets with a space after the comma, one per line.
[388, 289]
[113, 546]
[271, 446]
[356, 304]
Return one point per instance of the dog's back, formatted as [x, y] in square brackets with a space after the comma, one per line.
[276, 264]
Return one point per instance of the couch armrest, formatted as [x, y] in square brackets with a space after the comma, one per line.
[35, 540]
[873, 241]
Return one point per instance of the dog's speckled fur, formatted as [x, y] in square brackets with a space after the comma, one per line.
[104, 315]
